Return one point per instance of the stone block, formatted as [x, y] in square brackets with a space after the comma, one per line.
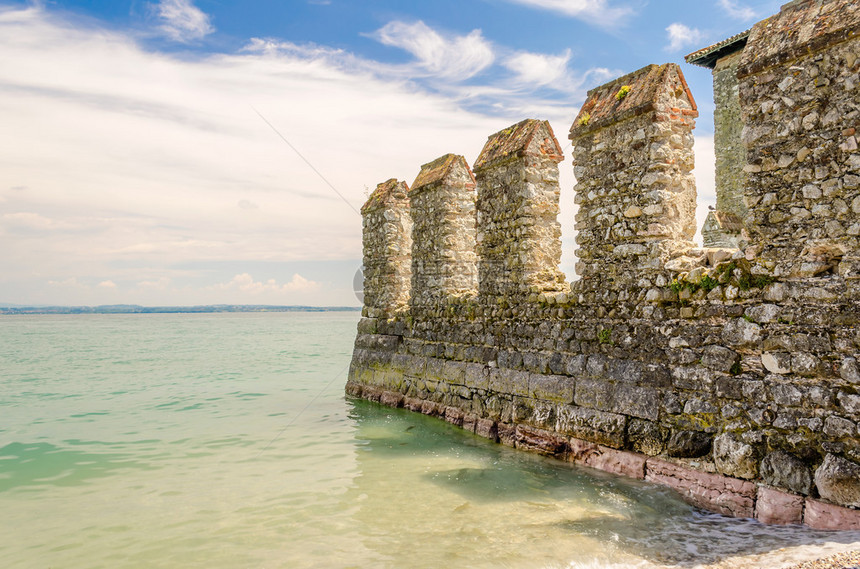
[558, 388]
[838, 481]
[824, 516]
[470, 422]
[507, 433]
[689, 444]
[735, 458]
[540, 440]
[487, 428]
[776, 507]
[741, 333]
[646, 437]
[453, 416]
[776, 362]
[591, 425]
[642, 402]
[431, 408]
[595, 393]
[391, 399]
[719, 358]
[728, 496]
[785, 471]
[476, 376]
[508, 381]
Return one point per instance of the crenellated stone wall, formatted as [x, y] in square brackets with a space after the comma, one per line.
[633, 160]
[387, 249]
[442, 205]
[518, 231]
[730, 375]
[800, 99]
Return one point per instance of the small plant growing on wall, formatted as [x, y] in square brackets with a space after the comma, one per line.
[605, 336]
[622, 92]
[583, 120]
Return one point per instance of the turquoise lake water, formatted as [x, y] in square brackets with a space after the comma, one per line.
[225, 441]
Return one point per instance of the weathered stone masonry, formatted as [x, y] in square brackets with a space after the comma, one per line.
[729, 375]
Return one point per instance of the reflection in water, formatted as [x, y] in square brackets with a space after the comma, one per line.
[430, 494]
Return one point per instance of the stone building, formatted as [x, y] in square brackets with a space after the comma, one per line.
[722, 227]
[732, 378]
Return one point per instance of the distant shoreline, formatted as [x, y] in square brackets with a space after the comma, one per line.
[136, 309]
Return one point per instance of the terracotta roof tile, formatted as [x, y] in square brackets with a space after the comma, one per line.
[800, 28]
[438, 170]
[708, 56]
[603, 107]
[387, 192]
[530, 137]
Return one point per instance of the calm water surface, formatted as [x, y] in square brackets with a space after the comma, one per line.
[224, 441]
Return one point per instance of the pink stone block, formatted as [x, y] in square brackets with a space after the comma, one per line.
[580, 451]
[628, 464]
[507, 434]
[470, 422]
[821, 515]
[722, 494]
[429, 408]
[487, 428]
[413, 404]
[539, 440]
[453, 416]
[391, 399]
[603, 458]
[776, 507]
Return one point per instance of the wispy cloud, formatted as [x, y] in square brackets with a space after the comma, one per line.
[737, 10]
[245, 283]
[537, 68]
[452, 57]
[182, 21]
[595, 12]
[681, 36]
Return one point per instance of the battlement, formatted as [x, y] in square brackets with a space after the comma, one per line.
[730, 374]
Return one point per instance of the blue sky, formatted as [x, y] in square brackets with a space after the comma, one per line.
[215, 151]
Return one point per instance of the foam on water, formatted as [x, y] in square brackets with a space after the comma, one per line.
[224, 441]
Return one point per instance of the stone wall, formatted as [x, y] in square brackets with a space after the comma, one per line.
[722, 374]
[518, 231]
[728, 143]
[633, 157]
[444, 261]
[800, 99]
[387, 249]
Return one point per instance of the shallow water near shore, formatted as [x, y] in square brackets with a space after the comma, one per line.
[224, 441]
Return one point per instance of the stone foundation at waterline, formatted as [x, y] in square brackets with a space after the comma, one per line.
[730, 375]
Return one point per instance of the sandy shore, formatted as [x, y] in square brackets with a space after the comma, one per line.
[848, 560]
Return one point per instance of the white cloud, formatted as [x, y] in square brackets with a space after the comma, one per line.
[182, 21]
[246, 283]
[107, 284]
[451, 57]
[158, 284]
[595, 12]
[736, 10]
[681, 36]
[537, 68]
[133, 165]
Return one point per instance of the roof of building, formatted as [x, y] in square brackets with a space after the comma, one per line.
[802, 27]
[530, 137]
[605, 105]
[437, 170]
[708, 56]
[387, 192]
